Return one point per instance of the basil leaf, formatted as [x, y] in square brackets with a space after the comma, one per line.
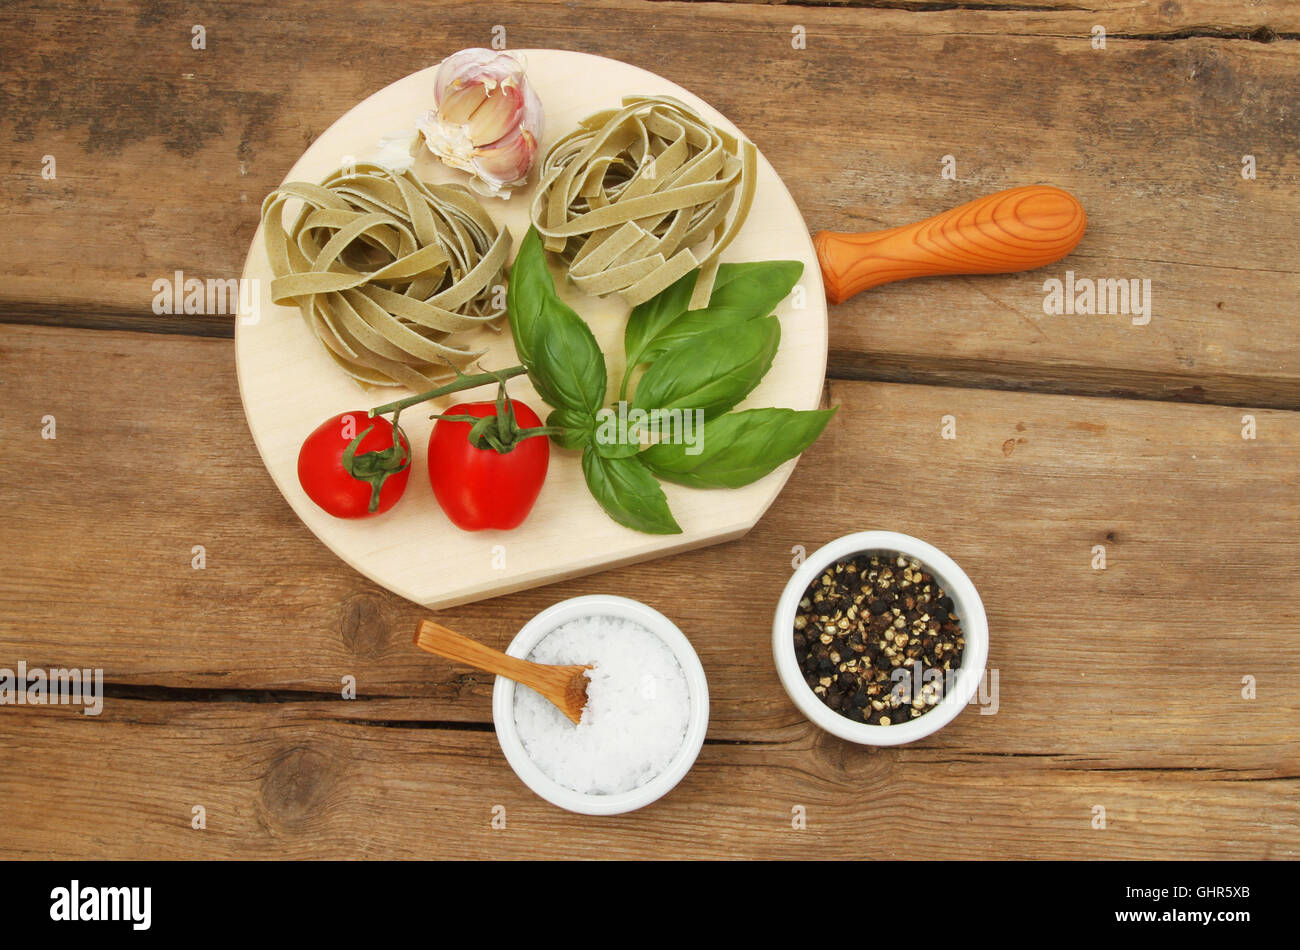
[577, 427]
[648, 319]
[563, 359]
[628, 493]
[529, 289]
[712, 371]
[692, 324]
[741, 292]
[753, 288]
[738, 448]
[570, 361]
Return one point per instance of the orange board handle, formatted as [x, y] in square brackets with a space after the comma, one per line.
[1014, 230]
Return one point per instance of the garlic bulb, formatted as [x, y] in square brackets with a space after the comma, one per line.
[487, 120]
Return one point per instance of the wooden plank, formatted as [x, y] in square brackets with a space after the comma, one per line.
[278, 782]
[1139, 665]
[1150, 134]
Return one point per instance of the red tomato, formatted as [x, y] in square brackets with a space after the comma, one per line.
[483, 488]
[330, 485]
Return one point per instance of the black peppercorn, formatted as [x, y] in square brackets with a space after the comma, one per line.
[856, 666]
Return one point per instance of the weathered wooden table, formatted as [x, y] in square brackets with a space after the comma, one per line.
[1161, 687]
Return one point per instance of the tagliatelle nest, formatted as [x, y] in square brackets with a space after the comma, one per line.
[627, 196]
[385, 268]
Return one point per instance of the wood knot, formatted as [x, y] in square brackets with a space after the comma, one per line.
[471, 684]
[365, 624]
[296, 785]
[863, 765]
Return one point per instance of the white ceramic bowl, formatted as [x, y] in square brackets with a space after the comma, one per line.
[969, 610]
[503, 705]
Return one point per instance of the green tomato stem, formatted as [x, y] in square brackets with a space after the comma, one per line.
[377, 465]
[461, 382]
[540, 430]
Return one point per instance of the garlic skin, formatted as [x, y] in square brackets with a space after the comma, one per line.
[487, 120]
[396, 151]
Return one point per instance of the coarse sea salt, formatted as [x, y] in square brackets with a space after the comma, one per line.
[638, 706]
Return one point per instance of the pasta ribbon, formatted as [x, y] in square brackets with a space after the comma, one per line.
[627, 196]
[385, 269]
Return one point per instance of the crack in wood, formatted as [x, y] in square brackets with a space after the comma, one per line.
[449, 725]
[83, 317]
[1225, 774]
[453, 725]
[1253, 392]
[202, 694]
[926, 6]
[1258, 34]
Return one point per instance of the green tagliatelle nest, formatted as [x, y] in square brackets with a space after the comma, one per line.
[628, 195]
[384, 268]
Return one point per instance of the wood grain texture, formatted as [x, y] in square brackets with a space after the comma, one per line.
[1119, 686]
[1016, 229]
[164, 153]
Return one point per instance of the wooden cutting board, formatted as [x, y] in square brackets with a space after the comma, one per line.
[289, 385]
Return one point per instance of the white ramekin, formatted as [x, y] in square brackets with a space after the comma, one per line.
[503, 705]
[969, 610]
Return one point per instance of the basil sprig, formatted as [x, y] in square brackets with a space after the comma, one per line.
[707, 360]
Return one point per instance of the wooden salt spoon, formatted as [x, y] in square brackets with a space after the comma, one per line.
[565, 686]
